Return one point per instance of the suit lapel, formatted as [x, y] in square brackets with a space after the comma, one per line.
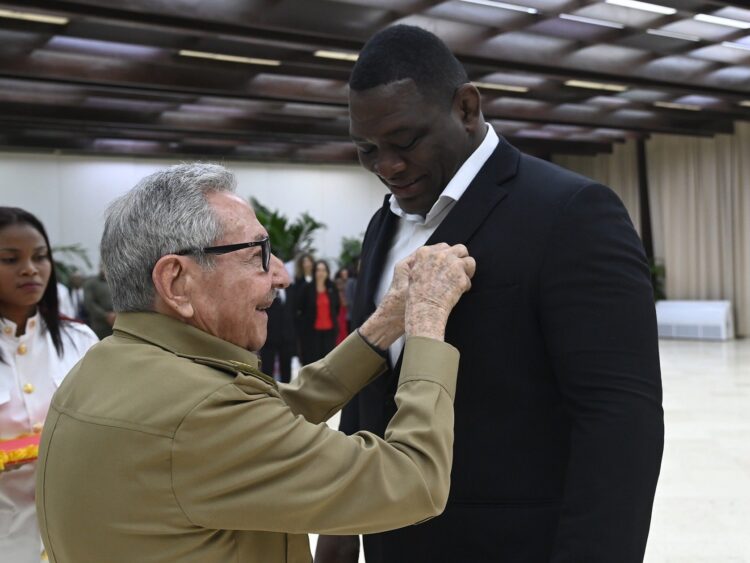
[373, 257]
[484, 193]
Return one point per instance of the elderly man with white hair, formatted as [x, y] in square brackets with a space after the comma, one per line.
[167, 442]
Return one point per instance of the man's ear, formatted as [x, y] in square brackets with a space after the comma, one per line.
[467, 102]
[172, 275]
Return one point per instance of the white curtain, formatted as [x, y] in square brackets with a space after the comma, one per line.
[618, 170]
[700, 211]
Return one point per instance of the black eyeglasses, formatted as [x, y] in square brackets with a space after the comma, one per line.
[265, 247]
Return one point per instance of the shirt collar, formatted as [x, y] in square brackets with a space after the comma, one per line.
[180, 338]
[458, 184]
[8, 328]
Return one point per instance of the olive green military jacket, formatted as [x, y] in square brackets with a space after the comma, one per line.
[167, 444]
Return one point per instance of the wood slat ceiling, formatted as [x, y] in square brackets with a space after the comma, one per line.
[566, 76]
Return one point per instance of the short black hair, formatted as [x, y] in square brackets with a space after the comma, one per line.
[407, 52]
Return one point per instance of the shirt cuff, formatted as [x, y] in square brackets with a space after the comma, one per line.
[427, 359]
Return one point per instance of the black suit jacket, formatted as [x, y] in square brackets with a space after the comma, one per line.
[559, 423]
[282, 330]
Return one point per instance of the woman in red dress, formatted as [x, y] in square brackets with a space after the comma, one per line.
[320, 309]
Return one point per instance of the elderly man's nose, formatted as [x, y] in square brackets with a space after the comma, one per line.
[280, 277]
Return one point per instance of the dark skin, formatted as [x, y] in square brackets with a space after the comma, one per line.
[413, 143]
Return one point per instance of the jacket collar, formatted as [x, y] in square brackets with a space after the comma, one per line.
[484, 193]
[182, 339]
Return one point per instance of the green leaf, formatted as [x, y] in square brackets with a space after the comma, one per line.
[64, 269]
[288, 239]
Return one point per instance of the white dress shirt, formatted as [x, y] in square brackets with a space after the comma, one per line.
[414, 230]
[30, 372]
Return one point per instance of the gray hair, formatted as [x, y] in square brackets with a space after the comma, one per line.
[164, 213]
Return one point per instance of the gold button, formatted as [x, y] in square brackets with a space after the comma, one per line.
[38, 427]
[28, 388]
[22, 349]
[32, 323]
[8, 330]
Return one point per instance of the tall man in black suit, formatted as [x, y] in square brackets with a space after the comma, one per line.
[559, 423]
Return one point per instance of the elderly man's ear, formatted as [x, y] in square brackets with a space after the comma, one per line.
[173, 278]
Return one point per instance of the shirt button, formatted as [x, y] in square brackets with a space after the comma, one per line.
[8, 330]
[22, 349]
[38, 427]
[32, 323]
[28, 388]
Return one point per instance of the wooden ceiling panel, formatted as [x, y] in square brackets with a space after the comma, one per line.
[603, 57]
[478, 14]
[707, 31]
[266, 79]
[326, 17]
[567, 29]
[525, 47]
[459, 36]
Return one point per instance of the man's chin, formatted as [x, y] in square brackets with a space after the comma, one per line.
[412, 206]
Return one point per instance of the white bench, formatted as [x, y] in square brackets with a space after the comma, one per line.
[698, 320]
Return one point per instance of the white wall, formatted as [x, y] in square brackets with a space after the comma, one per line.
[70, 193]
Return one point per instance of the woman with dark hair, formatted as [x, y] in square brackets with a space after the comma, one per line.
[303, 269]
[37, 349]
[319, 309]
[303, 277]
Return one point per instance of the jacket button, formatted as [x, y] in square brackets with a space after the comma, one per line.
[8, 330]
[38, 427]
[28, 388]
[22, 349]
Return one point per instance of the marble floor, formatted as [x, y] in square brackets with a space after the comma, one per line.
[702, 506]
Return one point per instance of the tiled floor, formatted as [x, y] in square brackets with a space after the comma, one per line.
[702, 507]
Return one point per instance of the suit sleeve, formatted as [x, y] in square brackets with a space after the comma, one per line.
[598, 318]
[247, 461]
[322, 388]
[350, 421]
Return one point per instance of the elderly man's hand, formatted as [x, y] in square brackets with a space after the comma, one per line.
[386, 324]
[425, 288]
[438, 276]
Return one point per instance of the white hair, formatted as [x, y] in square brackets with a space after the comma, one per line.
[164, 213]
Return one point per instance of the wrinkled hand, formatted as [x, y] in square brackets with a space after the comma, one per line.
[386, 324]
[438, 276]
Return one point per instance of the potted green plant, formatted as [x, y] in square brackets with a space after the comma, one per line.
[288, 238]
[63, 268]
[351, 248]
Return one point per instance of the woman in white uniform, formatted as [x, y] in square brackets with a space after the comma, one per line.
[37, 349]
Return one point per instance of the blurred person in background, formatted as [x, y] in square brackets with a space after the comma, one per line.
[281, 341]
[75, 290]
[37, 349]
[319, 309]
[303, 276]
[304, 267]
[340, 281]
[351, 288]
[97, 301]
